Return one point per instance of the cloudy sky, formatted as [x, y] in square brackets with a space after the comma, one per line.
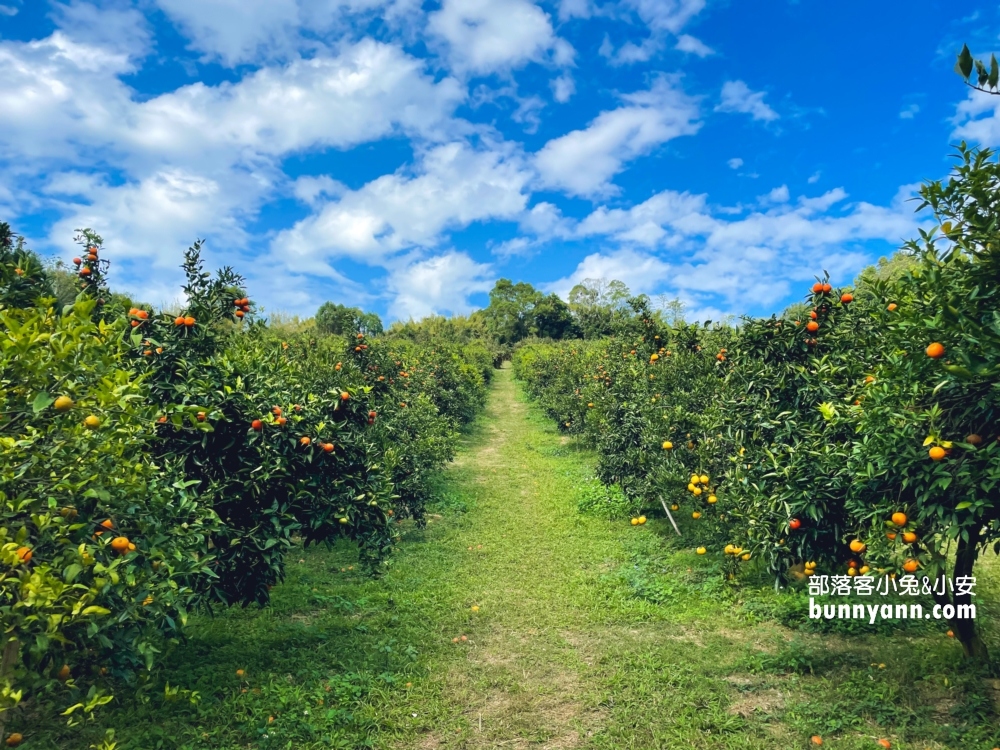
[402, 155]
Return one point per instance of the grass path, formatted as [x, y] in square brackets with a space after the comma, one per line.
[589, 634]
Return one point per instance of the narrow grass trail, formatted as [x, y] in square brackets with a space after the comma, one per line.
[589, 634]
[561, 653]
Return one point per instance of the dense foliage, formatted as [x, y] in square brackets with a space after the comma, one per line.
[155, 463]
[861, 438]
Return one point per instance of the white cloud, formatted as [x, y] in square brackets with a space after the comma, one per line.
[486, 36]
[309, 189]
[8, 10]
[456, 186]
[737, 97]
[666, 15]
[676, 243]
[112, 26]
[563, 88]
[688, 43]
[814, 178]
[977, 119]
[245, 31]
[778, 195]
[630, 52]
[584, 161]
[64, 100]
[199, 161]
[441, 284]
[641, 272]
[735, 163]
[574, 9]
[909, 112]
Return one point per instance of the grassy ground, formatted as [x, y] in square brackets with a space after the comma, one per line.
[588, 634]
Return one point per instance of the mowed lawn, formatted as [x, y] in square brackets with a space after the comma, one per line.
[588, 634]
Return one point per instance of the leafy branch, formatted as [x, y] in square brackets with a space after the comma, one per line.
[986, 79]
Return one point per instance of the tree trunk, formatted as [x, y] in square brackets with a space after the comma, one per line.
[7, 661]
[965, 630]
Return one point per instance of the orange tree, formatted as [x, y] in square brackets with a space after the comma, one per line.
[95, 566]
[928, 439]
[814, 434]
[273, 454]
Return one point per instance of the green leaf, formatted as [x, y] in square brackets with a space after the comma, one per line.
[42, 401]
[963, 506]
[95, 610]
[994, 72]
[964, 65]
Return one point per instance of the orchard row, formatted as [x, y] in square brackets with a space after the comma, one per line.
[858, 436]
[155, 464]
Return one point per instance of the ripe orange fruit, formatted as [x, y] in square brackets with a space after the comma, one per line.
[120, 544]
[899, 519]
[280, 421]
[327, 447]
[891, 536]
[201, 416]
[14, 739]
[108, 523]
[813, 315]
[816, 739]
[239, 313]
[77, 261]
[696, 515]
[179, 320]
[950, 634]
[935, 350]
[85, 271]
[909, 537]
[305, 440]
[344, 396]
[892, 307]
[794, 524]
[240, 673]
[826, 288]
[142, 314]
[812, 325]
[701, 551]
[858, 546]
[189, 321]
[134, 323]
[667, 445]
[92, 422]
[276, 411]
[64, 673]
[817, 287]
[257, 425]
[936, 453]
[911, 565]
[869, 379]
[885, 743]
[63, 403]
[846, 298]
[24, 553]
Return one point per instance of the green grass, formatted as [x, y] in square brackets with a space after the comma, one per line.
[590, 634]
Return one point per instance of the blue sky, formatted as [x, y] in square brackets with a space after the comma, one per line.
[402, 155]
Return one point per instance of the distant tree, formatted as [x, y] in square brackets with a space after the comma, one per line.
[509, 315]
[552, 318]
[342, 320]
[369, 323]
[595, 304]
